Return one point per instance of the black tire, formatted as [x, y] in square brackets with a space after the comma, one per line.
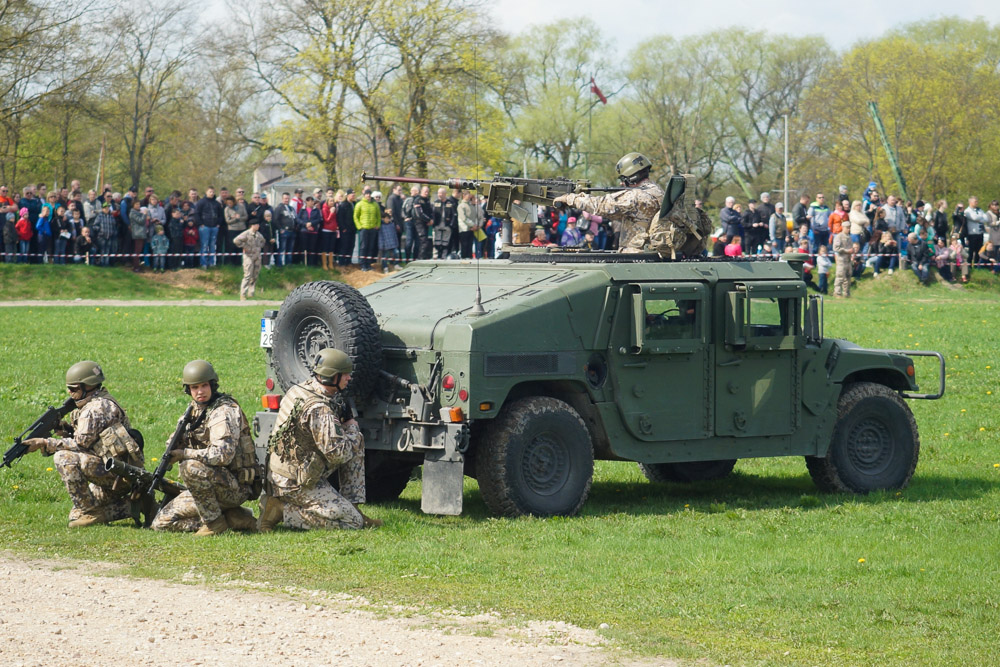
[687, 472]
[875, 443]
[385, 477]
[536, 458]
[325, 314]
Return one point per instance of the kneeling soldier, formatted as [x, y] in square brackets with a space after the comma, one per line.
[307, 444]
[217, 462]
[99, 429]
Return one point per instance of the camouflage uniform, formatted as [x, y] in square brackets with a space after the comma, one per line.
[632, 207]
[307, 444]
[80, 458]
[843, 248]
[219, 467]
[252, 243]
[686, 231]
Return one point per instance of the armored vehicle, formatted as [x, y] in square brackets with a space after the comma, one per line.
[521, 372]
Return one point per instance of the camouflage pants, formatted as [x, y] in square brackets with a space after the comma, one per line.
[251, 269]
[842, 280]
[209, 491]
[320, 507]
[89, 486]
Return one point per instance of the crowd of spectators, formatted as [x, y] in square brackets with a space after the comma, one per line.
[885, 235]
[336, 228]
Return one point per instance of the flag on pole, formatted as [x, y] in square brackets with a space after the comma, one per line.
[597, 91]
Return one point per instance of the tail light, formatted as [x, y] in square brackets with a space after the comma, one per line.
[270, 401]
[269, 384]
[463, 395]
[448, 382]
[456, 415]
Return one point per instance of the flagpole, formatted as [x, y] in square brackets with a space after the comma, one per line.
[100, 169]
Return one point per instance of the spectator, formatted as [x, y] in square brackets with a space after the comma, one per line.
[10, 237]
[345, 225]
[800, 213]
[367, 220]
[192, 242]
[777, 228]
[310, 220]
[730, 219]
[870, 205]
[843, 197]
[444, 211]
[993, 227]
[976, 221]
[819, 222]
[160, 244]
[83, 247]
[284, 227]
[138, 222]
[388, 242]
[944, 259]
[765, 209]
[858, 224]
[236, 223]
[91, 207]
[989, 257]
[7, 205]
[571, 235]
[733, 247]
[105, 233]
[542, 239]
[297, 202]
[844, 250]
[468, 223]
[175, 235]
[157, 214]
[838, 217]
[44, 235]
[24, 234]
[961, 254]
[208, 216]
[940, 221]
[752, 236]
[328, 235]
[67, 226]
[411, 248]
[823, 264]
[958, 222]
[920, 255]
[888, 247]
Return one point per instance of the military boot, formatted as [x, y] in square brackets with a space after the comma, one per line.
[217, 527]
[241, 518]
[88, 519]
[369, 522]
[272, 511]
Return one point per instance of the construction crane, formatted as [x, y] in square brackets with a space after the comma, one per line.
[890, 153]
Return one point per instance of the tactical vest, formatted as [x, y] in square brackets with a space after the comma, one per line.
[293, 454]
[117, 441]
[244, 465]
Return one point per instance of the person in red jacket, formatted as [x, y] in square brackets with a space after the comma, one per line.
[23, 228]
[329, 233]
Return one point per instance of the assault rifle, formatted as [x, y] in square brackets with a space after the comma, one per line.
[505, 195]
[41, 428]
[139, 479]
[161, 469]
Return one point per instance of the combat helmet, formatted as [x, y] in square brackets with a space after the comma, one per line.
[331, 362]
[633, 168]
[197, 372]
[87, 373]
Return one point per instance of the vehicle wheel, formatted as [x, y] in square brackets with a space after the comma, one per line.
[325, 314]
[875, 442]
[536, 458]
[385, 478]
[688, 471]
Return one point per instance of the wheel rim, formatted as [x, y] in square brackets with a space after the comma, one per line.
[545, 464]
[311, 336]
[870, 446]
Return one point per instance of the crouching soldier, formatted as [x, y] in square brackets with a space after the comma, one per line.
[217, 462]
[98, 428]
[308, 443]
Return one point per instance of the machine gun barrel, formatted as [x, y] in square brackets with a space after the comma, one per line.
[140, 478]
[452, 183]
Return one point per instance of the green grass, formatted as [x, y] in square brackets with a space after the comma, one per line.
[49, 282]
[759, 568]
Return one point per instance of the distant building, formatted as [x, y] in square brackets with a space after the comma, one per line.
[270, 178]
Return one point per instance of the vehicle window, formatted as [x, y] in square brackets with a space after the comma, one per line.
[767, 317]
[670, 319]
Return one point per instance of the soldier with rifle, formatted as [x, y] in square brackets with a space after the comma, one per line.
[98, 429]
[217, 461]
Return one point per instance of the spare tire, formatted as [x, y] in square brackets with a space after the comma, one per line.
[325, 314]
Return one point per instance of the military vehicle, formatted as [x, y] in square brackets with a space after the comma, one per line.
[521, 372]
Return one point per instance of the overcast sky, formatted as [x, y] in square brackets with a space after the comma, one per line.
[842, 22]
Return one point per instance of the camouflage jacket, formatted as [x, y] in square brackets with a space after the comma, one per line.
[308, 441]
[221, 438]
[252, 242]
[92, 416]
[686, 230]
[633, 208]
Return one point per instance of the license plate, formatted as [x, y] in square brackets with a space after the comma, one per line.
[266, 331]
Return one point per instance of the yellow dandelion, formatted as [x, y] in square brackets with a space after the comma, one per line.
[140, 358]
[963, 409]
[48, 470]
[922, 570]
[989, 393]
[982, 428]
[96, 309]
[996, 465]
[687, 505]
[861, 560]
[16, 487]
[909, 335]
[947, 434]
[155, 460]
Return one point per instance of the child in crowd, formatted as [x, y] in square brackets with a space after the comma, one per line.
[388, 244]
[83, 247]
[64, 234]
[175, 233]
[24, 234]
[191, 241]
[44, 229]
[160, 244]
[734, 248]
[823, 264]
[9, 237]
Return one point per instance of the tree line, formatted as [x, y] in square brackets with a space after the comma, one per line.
[182, 97]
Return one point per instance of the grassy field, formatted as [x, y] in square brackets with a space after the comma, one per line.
[757, 569]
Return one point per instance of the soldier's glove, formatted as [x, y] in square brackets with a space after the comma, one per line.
[64, 429]
[564, 199]
[34, 444]
[247, 475]
[176, 456]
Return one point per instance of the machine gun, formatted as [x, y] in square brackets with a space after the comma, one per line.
[139, 480]
[157, 479]
[506, 196]
[41, 428]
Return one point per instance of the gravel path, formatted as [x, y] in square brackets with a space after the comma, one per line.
[60, 613]
[139, 302]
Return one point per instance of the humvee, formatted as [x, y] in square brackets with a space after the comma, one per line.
[521, 372]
